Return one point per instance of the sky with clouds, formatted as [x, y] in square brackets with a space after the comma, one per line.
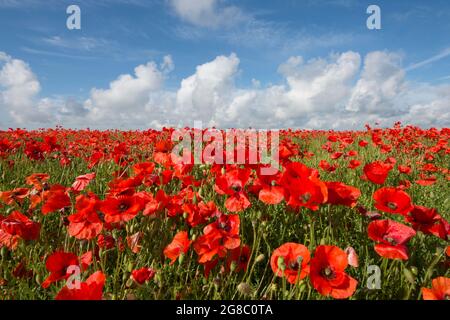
[138, 64]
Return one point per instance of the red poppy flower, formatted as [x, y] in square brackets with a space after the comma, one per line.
[363, 143]
[57, 199]
[440, 289]
[377, 171]
[429, 221]
[392, 237]
[82, 182]
[336, 155]
[240, 256]
[209, 245]
[106, 241]
[14, 196]
[392, 200]
[339, 193]
[142, 275]
[17, 224]
[37, 180]
[57, 263]
[353, 164]
[232, 184]
[179, 245]
[404, 169]
[85, 223]
[21, 271]
[218, 237]
[267, 188]
[293, 171]
[328, 275]
[291, 260]
[426, 180]
[91, 289]
[307, 192]
[121, 209]
[145, 168]
[324, 165]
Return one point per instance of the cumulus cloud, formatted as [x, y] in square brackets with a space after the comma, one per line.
[19, 86]
[340, 91]
[126, 96]
[381, 82]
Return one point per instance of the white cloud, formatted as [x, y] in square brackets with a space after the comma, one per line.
[19, 88]
[127, 95]
[206, 13]
[78, 43]
[201, 94]
[381, 82]
[336, 92]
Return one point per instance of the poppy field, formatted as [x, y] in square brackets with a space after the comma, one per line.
[87, 214]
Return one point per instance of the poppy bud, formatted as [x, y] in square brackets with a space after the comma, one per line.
[280, 263]
[409, 276]
[38, 279]
[181, 258]
[260, 258]
[233, 266]
[158, 279]
[4, 253]
[130, 266]
[414, 271]
[185, 215]
[130, 283]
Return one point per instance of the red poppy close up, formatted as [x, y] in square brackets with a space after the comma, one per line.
[328, 275]
[179, 245]
[440, 289]
[392, 200]
[392, 237]
[291, 260]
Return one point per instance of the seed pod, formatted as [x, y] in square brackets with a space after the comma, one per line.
[414, 271]
[409, 276]
[245, 289]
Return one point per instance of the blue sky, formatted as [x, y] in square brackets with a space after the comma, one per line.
[118, 35]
